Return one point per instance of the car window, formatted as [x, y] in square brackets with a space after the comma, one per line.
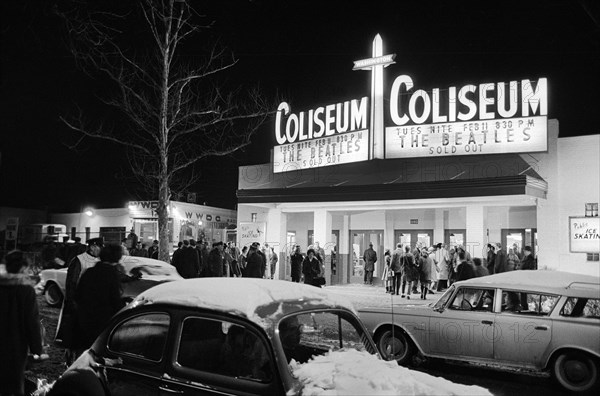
[528, 303]
[444, 299]
[310, 334]
[581, 307]
[473, 299]
[225, 348]
[143, 336]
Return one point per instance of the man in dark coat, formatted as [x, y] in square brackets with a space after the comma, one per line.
[98, 297]
[67, 320]
[370, 258]
[176, 258]
[263, 258]
[501, 262]
[153, 250]
[204, 252]
[20, 330]
[311, 268]
[491, 258]
[255, 267]
[296, 260]
[528, 262]
[215, 260]
[188, 261]
[464, 269]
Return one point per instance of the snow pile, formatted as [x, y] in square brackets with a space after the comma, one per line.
[260, 300]
[351, 372]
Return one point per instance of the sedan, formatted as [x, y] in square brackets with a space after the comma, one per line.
[146, 272]
[535, 320]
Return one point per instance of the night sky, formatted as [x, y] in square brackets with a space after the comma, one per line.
[302, 51]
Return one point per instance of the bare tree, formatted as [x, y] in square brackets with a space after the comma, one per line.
[172, 109]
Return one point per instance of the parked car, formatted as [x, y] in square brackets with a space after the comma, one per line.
[149, 272]
[214, 336]
[538, 320]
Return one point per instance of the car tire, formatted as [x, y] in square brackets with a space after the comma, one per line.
[395, 345]
[576, 372]
[53, 295]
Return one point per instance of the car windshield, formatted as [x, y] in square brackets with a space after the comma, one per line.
[443, 299]
[305, 335]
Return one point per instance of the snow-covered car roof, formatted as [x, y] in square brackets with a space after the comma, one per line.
[263, 301]
[554, 282]
[150, 268]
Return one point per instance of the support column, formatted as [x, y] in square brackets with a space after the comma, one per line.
[438, 230]
[344, 253]
[277, 238]
[475, 238]
[388, 233]
[322, 234]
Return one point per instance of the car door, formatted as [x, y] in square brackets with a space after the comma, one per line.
[220, 355]
[523, 328]
[135, 354]
[464, 329]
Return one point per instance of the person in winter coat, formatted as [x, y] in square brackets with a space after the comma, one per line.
[528, 262]
[98, 297]
[311, 267]
[388, 274]
[512, 260]
[254, 263]
[20, 330]
[263, 258]
[427, 272]
[410, 272]
[370, 258]
[396, 268]
[491, 258]
[501, 261]
[188, 263]
[442, 259]
[273, 259]
[479, 269]
[296, 259]
[68, 315]
[215, 260]
[153, 250]
[464, 270]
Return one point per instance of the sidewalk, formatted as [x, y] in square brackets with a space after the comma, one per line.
[375, 296]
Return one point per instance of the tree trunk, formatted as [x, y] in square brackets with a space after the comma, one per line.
[163, 221]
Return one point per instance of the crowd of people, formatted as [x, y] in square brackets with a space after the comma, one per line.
[422, 269]
[194, 259]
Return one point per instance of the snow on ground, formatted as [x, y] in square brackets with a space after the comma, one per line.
[375, 296]
[352, 372]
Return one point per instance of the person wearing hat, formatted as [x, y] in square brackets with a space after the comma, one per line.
[66, 322]
[528, 262]
[370, 258]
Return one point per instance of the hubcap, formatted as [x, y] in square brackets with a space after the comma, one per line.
[576, 371]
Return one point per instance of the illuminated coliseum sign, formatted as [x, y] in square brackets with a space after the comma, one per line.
[489, 118]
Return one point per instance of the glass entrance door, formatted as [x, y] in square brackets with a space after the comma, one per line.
[518, 238]
[413, 237]
[359, 242]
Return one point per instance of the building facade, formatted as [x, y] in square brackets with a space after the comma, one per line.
[464, 166]
[186, 221]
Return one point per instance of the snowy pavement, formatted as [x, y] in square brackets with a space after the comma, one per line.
[375, 296]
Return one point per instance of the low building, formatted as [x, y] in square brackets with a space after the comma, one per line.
[186, 221]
